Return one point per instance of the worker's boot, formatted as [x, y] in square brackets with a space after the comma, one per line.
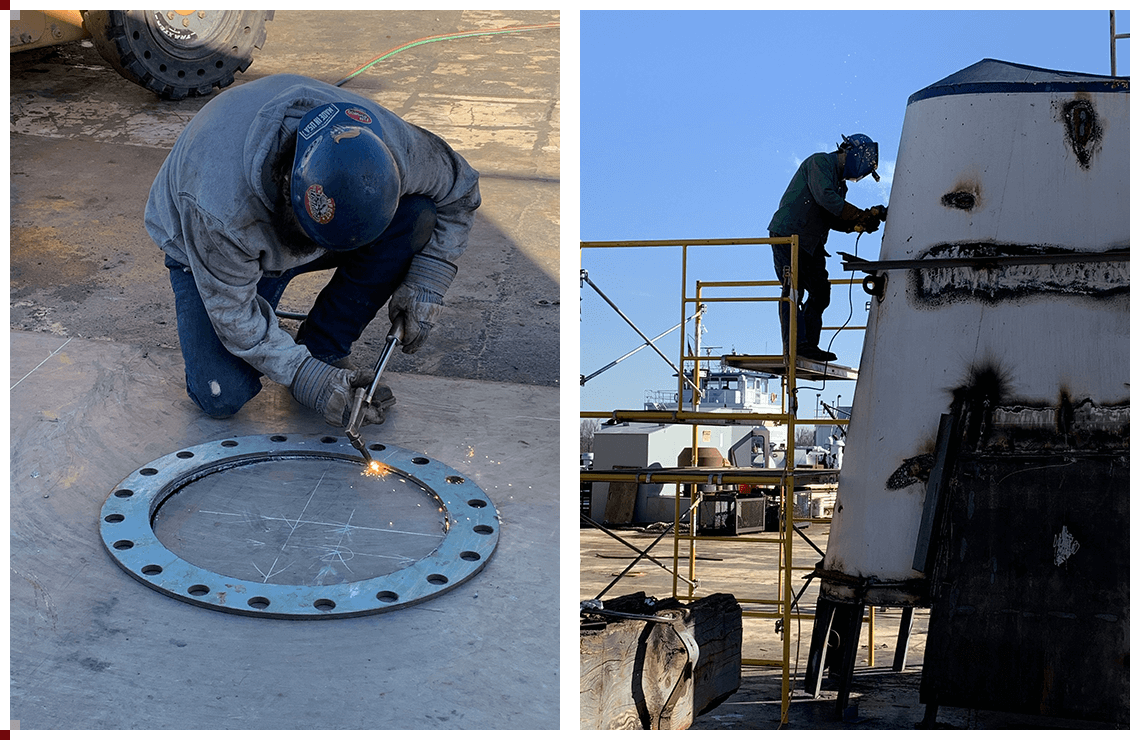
[811, 351]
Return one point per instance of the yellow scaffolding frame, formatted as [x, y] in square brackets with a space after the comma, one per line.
[785, 478]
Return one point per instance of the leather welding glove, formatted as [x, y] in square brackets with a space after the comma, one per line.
[849, 219]
[871, 218]
[419, 298]
[851, 214]
[332, 391]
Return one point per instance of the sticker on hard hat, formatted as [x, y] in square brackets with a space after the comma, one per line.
[319, 121]
[319, 205]
[341, 132]
[358, 115]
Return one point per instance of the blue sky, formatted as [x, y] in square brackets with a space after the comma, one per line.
[693, 122]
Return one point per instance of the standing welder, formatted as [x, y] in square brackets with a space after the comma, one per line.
[286, 175]
[812, 205]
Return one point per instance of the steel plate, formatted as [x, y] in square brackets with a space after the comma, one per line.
[469, 527]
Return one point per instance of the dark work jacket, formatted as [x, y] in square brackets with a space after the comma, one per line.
[812, 202]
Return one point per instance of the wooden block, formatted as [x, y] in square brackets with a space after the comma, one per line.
[635, 674]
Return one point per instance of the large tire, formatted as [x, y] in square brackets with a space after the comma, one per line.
[179, 56]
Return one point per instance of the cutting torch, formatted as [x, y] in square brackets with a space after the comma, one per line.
[364, 398]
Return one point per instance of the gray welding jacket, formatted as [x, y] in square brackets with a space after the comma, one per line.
[812, 202]
[210, 206]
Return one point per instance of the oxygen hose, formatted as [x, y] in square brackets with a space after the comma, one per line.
[442, 37]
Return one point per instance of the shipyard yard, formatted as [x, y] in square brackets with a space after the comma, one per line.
[881, 698]
[750, 571]
[971, 572]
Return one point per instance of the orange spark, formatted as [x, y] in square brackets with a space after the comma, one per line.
[375, 468]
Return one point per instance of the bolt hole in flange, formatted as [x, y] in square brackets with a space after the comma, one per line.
[295, 525]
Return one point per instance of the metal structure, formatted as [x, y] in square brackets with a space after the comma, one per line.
[992, 374]
[469, 536]
[781, 609]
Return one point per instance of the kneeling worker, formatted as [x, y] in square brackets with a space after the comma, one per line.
[286, 175]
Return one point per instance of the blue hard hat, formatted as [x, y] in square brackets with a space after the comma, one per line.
[345, 185]
[861, 156]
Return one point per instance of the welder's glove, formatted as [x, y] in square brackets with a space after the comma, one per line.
[871, 218]
[850, 214]
[332, 391]
[419, 298]
[849, 219]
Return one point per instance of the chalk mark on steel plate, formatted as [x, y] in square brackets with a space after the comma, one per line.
[298, 521]
[270, 571]
[328, 524]
[331, 553]
[294, 526]
[336, 550]
[45, 359]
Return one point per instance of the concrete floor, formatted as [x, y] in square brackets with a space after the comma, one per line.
[97, 392]
[880, 698]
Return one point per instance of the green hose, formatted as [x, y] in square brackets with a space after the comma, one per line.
[445, 37]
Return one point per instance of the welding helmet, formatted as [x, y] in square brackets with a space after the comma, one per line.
[861, 156]
[345, 185]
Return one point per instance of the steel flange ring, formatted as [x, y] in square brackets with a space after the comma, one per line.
[470, 523]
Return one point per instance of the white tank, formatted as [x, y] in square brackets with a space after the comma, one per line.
[996, 159]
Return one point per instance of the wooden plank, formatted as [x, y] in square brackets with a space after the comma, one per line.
[621, 505]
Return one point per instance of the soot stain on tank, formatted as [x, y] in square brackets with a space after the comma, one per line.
[1083, 131]
[994, 283]
[960, 199]
[965, 195]
[913, 469]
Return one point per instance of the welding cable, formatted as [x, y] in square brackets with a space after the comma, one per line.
[851, 305]
[851, 311]
[442, 37]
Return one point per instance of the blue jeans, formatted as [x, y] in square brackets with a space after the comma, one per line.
[364, 279]
[811, 278]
